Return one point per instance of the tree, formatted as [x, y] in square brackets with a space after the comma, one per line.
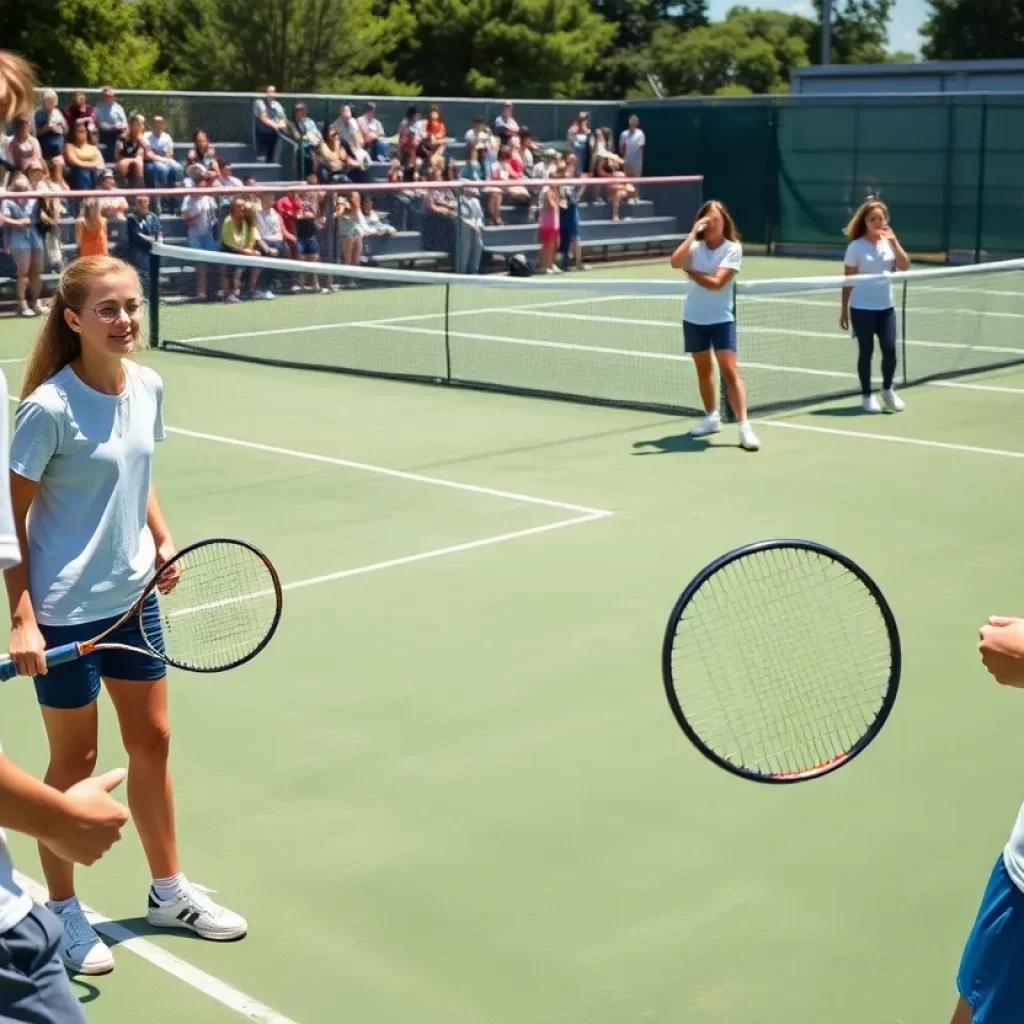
[78, 42]
[970, 30]
[860, 30]
[526, 48]
[752, 51]
[298, 45]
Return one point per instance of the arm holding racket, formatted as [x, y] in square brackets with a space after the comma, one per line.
[26, 647]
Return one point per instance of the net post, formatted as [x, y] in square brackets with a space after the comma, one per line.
[980, 212]
[447, 334]
[903, 332]
[154, 299]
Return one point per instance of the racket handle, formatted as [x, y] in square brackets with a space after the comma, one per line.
[54, 656]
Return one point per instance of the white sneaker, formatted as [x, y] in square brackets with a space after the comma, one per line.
[892, 401]
[870, 404]
[193, 909]
[26, 311]
[748, 439]
[710, 424]
[81, 949]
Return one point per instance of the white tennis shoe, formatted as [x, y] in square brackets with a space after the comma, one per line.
[892, 401]
[870, 404]
[710, 424]
[748, 439]
[81, 949]
[193, 910]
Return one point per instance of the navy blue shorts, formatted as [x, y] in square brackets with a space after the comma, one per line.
[76, 684]
[990, 978]
[307, 246]
[702, 337]
[33, 983]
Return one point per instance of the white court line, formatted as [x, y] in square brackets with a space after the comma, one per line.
[399, 474]
[19, 360]
[894, 439]
[391, 563]
[210, 986]
[1000, 388]
[386, 321]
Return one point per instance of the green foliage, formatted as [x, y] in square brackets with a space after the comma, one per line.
[73, 42]
[972, 30]
[752, 51]
[504, 47]
[860, 29]
[608, 49]
[297, 45]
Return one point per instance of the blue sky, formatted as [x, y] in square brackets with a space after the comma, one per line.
[908, 16]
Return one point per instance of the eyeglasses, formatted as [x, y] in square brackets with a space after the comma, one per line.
[109, 312]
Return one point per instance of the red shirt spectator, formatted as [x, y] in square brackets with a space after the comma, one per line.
[288, 207]
[435, 129]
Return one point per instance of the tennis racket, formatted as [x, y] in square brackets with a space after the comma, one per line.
[781, 661]
[220, 602]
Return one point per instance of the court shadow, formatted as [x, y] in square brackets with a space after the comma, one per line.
[676, 443]
[89, 993]
[843, 412]
[142, 929]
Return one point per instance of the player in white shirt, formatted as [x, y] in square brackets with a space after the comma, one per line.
[80, 824]
[868, 306]
[990, 980]
[712, 256]
[91, 532]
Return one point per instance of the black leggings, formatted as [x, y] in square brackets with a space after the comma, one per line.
[867, 324]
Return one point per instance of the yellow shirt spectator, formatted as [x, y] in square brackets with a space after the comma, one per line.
[238, 236]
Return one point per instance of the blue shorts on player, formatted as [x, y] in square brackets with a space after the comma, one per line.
[703, 337]
[76, 684]
[991, 975]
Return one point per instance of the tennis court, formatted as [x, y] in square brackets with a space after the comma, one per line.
[451, 789]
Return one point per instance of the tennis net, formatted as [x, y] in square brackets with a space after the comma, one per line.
[616, 342]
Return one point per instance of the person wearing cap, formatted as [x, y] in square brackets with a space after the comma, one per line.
[373, 134]
[111, 121]
[308, 136]
[112, 207]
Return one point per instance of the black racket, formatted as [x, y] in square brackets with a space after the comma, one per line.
[220, 602]
[781, 660]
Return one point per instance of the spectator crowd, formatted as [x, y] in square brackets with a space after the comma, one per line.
[85, 148]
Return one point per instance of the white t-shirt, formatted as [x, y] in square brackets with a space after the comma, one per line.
[1013, 854]
[14, 904]
[91, 552]
[704, 306]
[870, 258]
[634, 145]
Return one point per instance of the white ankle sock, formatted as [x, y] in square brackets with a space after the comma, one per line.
[59, 905]
[167, 889]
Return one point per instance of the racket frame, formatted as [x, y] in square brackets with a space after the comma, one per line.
[70, 652]
[895, 659]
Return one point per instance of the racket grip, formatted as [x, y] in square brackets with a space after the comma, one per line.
[54, 656]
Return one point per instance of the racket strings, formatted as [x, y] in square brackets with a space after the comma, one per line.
[223, 606]
[783, 659]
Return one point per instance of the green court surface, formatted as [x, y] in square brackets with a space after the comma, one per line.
[451, 789]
